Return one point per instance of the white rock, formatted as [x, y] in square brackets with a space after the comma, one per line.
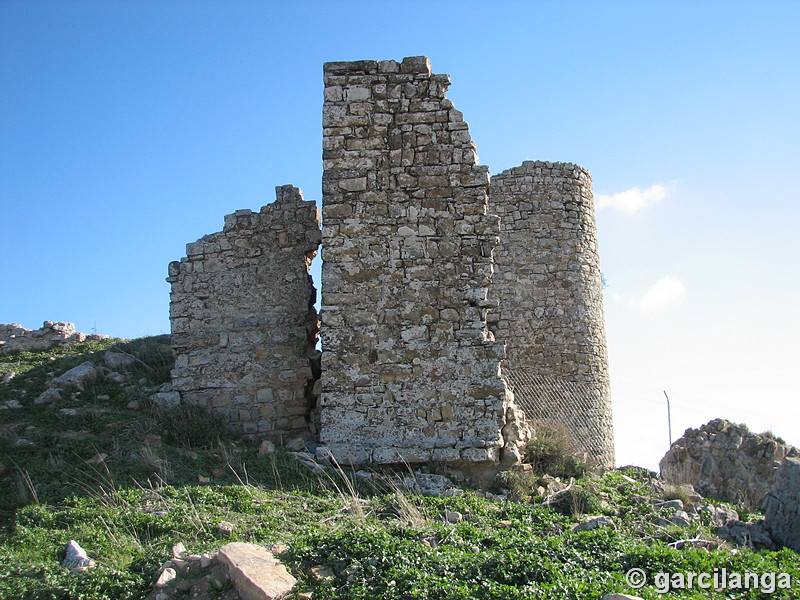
[76, 559]
[179, 550]
[405, 231]
[594, 523]
[166, 576]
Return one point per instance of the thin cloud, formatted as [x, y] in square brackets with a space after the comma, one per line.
[667, 292]
[633, 200]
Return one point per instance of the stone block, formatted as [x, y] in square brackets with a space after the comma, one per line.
[255, 573]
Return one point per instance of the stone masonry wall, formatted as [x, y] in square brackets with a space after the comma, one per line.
[410, 370]
[548, 285]
[244, 327]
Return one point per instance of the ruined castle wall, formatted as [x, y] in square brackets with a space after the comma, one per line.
[410, 370]
[548, 284]
[243, 323]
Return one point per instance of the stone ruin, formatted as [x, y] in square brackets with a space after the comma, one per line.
[458, 311]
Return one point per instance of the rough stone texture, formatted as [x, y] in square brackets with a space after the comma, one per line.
[749, 535]
[76, 559]
[408, 360]
[782, 505]
[592, 523]
[255, 572]
[15, 337]
[549, 289]
[244, 326]
[77, 378]
[725, 461]
[429, 274]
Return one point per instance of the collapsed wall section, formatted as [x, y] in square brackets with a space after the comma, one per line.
[549, 288]
[244, 327]
[410, 371]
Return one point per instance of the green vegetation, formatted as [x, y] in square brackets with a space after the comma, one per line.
[127, 481]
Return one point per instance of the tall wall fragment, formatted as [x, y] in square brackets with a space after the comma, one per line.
[549, 288]
[410, 371]
[244, 327]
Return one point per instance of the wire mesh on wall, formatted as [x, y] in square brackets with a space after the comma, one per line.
[581, 407]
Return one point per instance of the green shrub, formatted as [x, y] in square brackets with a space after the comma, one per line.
[577, 500]
[552, 451]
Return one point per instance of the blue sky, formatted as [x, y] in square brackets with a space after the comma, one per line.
[128, 129]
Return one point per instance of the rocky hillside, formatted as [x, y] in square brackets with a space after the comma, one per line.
[109, 490]
[727, 461]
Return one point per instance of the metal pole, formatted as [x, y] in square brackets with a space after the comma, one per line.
[669, 418]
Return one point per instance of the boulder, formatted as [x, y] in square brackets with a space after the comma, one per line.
[119, 360]
[255, 573]
[78, 377]
[782, 505]
[166, 400]
[76, 559]
[594, 523]
[48, 397]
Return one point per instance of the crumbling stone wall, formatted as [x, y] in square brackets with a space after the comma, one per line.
[411, 373]
[244, 327]
[426, 265]
[548, 285]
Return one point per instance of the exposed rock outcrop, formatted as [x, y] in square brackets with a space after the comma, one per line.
[782, 505]
[14, 337]
[725, 461]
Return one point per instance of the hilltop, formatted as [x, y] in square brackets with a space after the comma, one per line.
[93, 449]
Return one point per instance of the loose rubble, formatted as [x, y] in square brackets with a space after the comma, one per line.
[252, 571]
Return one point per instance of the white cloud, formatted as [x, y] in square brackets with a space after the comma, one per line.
[633, 200]
[666, 292]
